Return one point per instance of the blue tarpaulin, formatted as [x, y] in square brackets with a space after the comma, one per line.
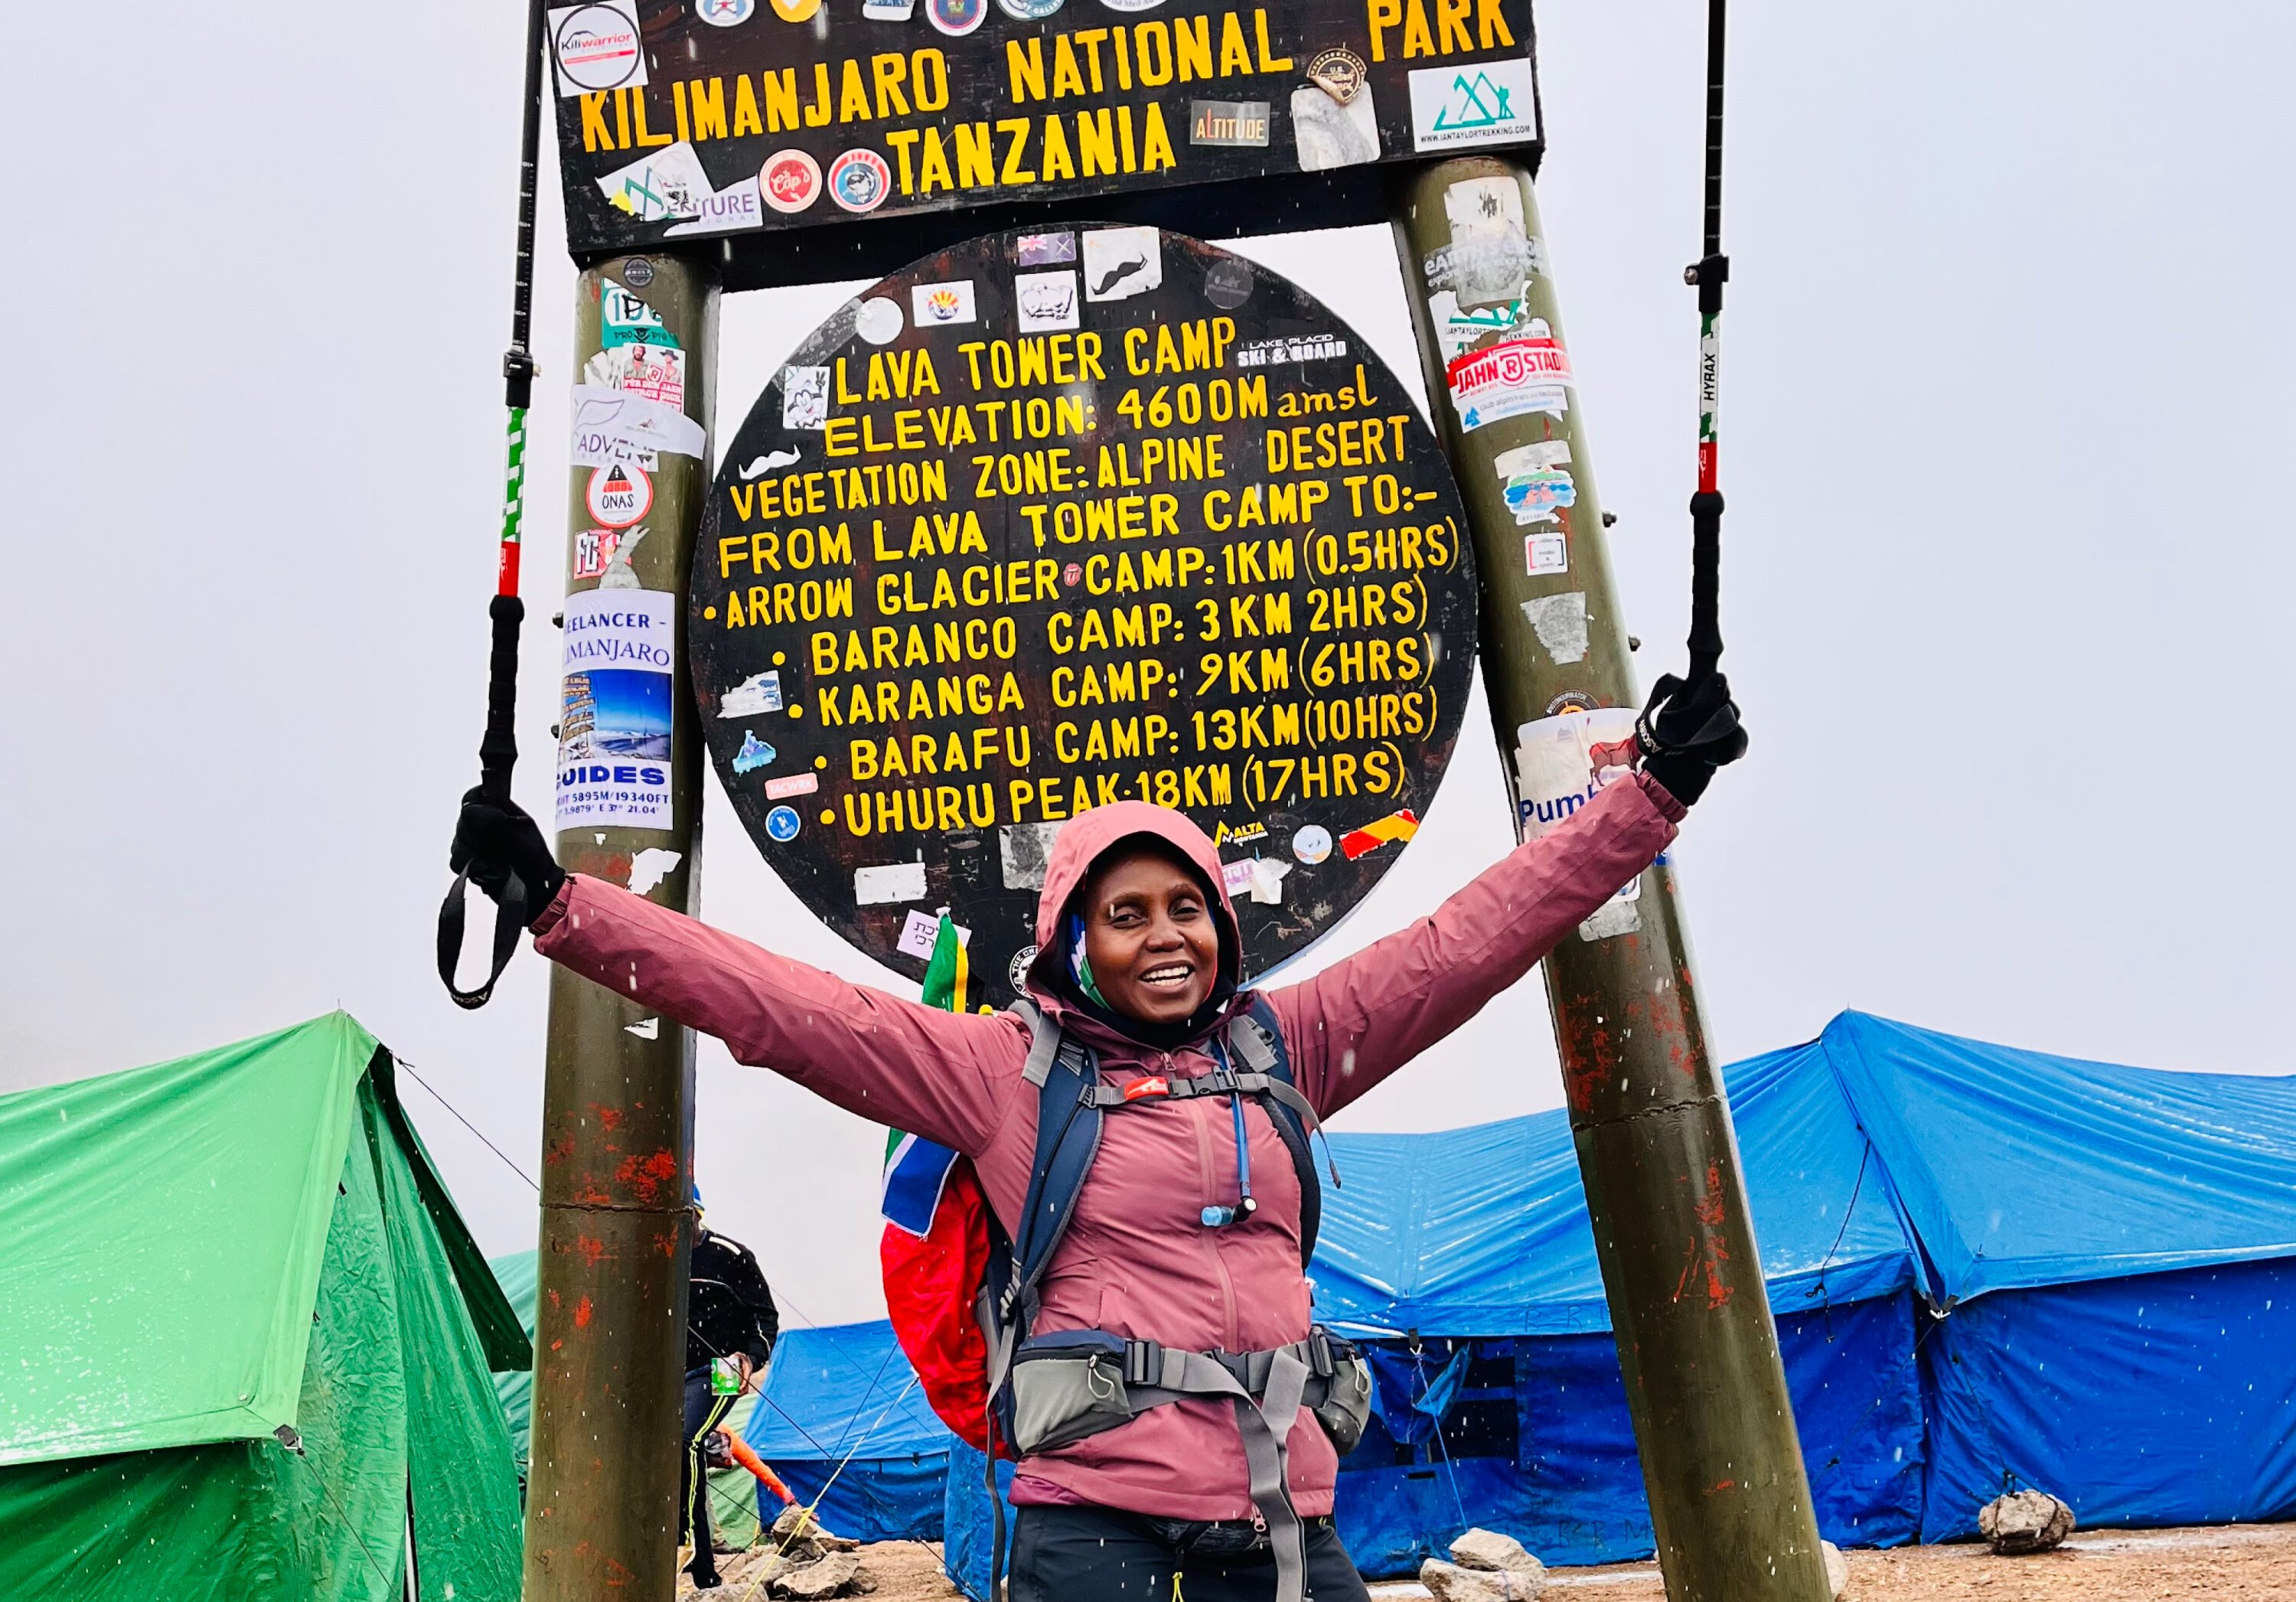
[845, 1394]
[1990, 1267]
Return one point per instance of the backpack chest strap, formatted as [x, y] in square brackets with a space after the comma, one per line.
[1221, 1081]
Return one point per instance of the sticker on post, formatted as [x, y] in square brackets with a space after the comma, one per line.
[597, 47]
[1458, 328]
[624, 318]
[1047, 301]
[782, 825]
[615, 709]
[1531, 373]
[1475, 102]
[622, 425]
[655, 372]
[1311, 843]
[1119, 263]
[1563, 761]
[619, 496]
[1546, 554]
[1535, 486]
[650, 867]
[891, 882]
[1560, 622]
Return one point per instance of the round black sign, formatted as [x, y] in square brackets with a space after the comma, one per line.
[1050, 520]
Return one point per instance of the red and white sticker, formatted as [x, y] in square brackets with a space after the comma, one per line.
[619, 495]
[789, 180]
[593, 552]
[795, 783]
[860, 180]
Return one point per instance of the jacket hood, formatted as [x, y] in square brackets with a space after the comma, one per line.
[1079, 844]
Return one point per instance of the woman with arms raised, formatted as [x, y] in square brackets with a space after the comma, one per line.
[1217, 1474]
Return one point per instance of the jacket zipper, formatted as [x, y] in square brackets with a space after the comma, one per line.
[1196, 1111]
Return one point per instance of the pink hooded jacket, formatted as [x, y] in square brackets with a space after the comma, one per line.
[1137, 1260]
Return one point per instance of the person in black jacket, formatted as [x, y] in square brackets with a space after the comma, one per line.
[730, 1319]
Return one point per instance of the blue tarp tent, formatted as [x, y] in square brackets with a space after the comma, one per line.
[845, 1394]
[1988, 1267]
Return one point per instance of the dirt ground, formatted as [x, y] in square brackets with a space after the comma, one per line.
[2236, 1563]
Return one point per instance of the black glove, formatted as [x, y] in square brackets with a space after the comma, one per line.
[495, 839]
[1686, 731]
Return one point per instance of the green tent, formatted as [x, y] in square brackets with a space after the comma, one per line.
[246, 1339]
[733, 1493]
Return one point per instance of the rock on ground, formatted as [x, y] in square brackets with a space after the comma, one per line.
[1837, 1571]
[1489, 1550]
[1449, 1582]
[2023, 1522]
[827, 1576]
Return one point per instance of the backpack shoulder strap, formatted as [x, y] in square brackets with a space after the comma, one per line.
[1257, 1041]
[1067, 1139]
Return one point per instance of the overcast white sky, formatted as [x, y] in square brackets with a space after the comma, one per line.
[2008, 384]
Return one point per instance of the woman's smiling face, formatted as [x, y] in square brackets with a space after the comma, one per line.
[1151, 936]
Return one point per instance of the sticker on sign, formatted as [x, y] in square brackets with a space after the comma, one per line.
[598, 47]
[1476, 103]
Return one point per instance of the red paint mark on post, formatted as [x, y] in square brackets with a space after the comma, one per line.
[582, 1313]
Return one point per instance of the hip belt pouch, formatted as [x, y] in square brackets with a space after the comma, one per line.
[1064, 1387]
[1346, 1402]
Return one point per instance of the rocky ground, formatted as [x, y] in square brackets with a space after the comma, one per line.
[2239, 1563]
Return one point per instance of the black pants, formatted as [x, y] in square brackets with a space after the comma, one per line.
[1099, 1555]
[705, 1410]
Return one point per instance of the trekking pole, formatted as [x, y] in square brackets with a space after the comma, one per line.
[498, 746]
[1707, 275]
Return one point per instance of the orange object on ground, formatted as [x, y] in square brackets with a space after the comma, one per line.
[756, 1465]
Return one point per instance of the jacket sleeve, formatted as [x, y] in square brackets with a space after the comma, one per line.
[939, 1074]
[1359, 1020]
[747, 1281]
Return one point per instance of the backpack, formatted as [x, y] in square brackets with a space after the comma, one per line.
[950, 1287]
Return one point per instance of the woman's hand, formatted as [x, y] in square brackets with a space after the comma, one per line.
[1687, 731]
[495, 839]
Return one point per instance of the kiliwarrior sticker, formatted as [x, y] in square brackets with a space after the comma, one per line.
[597, 47]
[615, 701]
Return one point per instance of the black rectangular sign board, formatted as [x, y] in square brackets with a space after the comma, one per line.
[779, 135]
